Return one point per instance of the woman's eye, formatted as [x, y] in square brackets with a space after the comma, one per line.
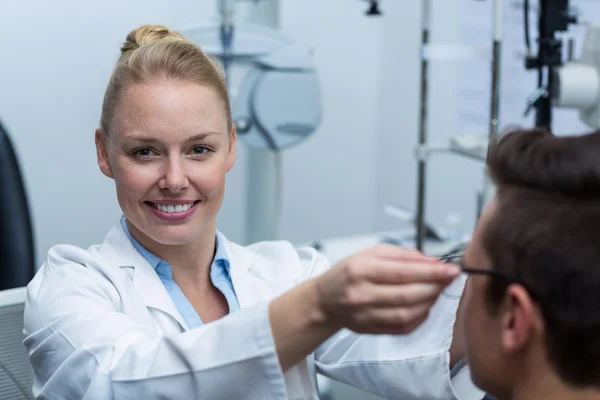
[143, 152]
[201, 150]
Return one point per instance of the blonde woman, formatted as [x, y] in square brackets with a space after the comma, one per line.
[167, 307]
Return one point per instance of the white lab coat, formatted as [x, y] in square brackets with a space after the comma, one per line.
[99, 324]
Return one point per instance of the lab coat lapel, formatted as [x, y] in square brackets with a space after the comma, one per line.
[250, 288]
[118, 250]
[255, 280]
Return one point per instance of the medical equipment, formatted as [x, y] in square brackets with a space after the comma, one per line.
[16, 374]
[17, 264]
[576, 84]
[554, 16]
[468, 146]
[572, 85]
[276, 106]
[373, 8]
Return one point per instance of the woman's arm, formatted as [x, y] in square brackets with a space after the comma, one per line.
[414, 365]
[298, 324]
[82, 346]
[384, 290]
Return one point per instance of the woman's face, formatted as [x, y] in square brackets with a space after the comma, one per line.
[168, 151]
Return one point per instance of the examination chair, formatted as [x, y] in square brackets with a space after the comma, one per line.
[16, 374]
[16, 237]
[16, 270]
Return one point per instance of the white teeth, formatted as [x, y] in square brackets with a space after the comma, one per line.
[173, 209]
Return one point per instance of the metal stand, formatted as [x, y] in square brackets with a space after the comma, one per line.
[263, 167]
[496, 66]
[423, 150]
[488, 190]
[421, 177]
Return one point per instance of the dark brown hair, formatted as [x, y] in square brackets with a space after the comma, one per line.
[545, 233]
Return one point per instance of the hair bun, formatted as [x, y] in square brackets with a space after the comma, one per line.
[147, 34]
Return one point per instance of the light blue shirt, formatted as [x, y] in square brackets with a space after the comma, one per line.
[219, 275]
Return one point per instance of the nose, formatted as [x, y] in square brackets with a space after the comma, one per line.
[175, 177]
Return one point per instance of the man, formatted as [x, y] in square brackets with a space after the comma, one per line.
[532, 300]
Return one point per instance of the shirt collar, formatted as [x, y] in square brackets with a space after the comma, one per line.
[220, 254]
[151, 258]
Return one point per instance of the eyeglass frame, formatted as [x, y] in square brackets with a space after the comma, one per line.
[492, 273]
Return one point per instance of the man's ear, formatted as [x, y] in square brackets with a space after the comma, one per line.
[232, 148]
[519, 320]
[102, 153]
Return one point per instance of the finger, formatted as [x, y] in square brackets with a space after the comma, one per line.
[401, 319]
[392, 252]
[372, 295]
[394, 272]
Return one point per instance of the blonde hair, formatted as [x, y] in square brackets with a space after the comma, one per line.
[153, 51]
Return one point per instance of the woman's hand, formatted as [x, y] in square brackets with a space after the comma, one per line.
[385, 290]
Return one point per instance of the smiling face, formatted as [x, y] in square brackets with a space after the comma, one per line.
[168, 150]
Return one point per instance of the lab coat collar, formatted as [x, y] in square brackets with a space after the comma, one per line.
[243, 278]
[118, 250]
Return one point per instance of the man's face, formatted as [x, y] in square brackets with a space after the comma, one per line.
[482, 328]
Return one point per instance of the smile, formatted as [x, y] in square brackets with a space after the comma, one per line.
[179, 208]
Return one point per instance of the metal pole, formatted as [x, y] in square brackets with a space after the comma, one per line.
[263, 169]
[226, 10]
[498, 18]
[496, 65]
[543, 115]
[421, 177]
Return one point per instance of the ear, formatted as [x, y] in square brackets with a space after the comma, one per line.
[232, 148]
[518, 323]
[102, 153]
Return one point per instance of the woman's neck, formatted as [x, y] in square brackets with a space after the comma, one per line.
[190, 262]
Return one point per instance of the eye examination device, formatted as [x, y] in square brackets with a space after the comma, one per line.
[277, 104]
[576, 84]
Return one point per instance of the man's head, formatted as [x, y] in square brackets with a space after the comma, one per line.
[538, 311]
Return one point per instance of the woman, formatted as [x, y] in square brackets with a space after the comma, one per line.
[167, 307]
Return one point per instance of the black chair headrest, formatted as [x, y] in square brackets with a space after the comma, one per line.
[17, 265]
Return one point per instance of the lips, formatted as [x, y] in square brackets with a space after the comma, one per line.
[172, 209]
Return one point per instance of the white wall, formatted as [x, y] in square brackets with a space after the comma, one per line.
[329, 185]
[57, 57]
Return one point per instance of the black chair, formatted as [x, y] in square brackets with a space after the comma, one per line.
[17, 265]
[16, 374]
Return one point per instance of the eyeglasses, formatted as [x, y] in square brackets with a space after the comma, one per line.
[457, 259]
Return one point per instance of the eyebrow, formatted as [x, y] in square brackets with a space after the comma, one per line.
[152, 140]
